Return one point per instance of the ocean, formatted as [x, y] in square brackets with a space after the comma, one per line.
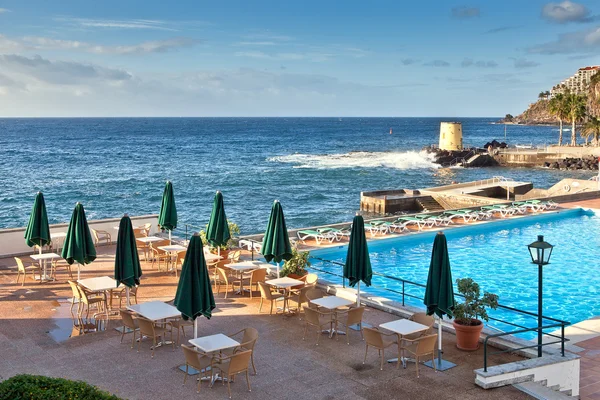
[316, 167]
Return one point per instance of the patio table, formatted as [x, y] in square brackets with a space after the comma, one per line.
[285, 284]
[100, 284]
[213, 344]
[156, 311]
[240, 268]
[332, 303]
[173, 249]
[402, 327]
[43, 258]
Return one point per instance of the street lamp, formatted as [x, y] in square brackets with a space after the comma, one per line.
[540, 252]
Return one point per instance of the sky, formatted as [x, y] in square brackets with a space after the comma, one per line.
[443, 58]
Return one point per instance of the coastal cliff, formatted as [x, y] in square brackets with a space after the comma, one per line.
[536, 114]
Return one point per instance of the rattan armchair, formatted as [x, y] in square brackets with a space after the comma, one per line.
[230, 366]
[267, 294]
[318, 320]
[148, 328]
[129, 323]
[381, 341]
[221, 279]
[252, 279]
[55, 265]
[202, 362]
[180, 324]
[101, 236]
[249, 338]
[90, 299]
[423, 346]
[352, 316]
[22, 270]
[422, 319]
[160, 255]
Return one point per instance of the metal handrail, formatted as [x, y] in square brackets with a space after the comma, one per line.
[538, 329]
[420, 285]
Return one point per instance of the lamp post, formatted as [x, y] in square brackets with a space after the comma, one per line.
[540, 252]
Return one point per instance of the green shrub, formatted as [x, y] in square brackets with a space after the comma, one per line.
[34, 387]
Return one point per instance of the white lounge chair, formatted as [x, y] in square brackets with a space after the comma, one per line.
[318, 237]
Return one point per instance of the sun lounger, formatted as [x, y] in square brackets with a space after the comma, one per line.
[338, 234]
[318, 237]
[503, 209]
[375, 227]
[525, 206]
[466, 217]
[403, 223]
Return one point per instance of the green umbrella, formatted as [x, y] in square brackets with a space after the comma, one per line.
[194, 295]
[127, 262]
[38, 230]
[276, 242]
[217, 232]
[439, 292]
[358, 264]
[167, 218]
[79, 245]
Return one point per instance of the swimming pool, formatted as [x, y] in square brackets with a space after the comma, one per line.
[495, 255]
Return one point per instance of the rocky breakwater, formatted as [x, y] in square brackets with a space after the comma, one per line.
[447, 158]
[588, 163]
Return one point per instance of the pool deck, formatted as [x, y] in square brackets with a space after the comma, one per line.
[36, 324]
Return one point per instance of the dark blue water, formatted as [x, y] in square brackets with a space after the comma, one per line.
[316, 167]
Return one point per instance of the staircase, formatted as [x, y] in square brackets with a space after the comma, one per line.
[541, 391]
[429, 204]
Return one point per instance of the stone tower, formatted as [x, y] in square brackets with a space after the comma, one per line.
[451, 136]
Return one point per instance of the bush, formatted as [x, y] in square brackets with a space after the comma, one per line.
[34, 387]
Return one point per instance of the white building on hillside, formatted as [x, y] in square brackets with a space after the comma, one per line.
[577, 83]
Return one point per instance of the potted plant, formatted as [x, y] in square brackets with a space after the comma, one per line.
[469, 314]
[295, 267]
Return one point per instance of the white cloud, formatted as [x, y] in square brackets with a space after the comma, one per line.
[37, 43]
[566, 11]
[574, 42]
[145, 24]
[4, 10]
[464, 12]
[469, 62]
[521, 63]
[437, 63]
[255, 43]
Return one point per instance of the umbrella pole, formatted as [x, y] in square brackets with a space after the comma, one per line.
[440, 363]
[358, 295]
[78, 271]
[195, 328]
[127, 295]
[278, 270]
[170, 232]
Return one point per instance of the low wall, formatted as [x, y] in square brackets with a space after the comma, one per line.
[12, 242]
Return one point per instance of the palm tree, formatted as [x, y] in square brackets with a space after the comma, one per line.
[541, 95]
[547, 94]
[558, 108]
[576, 110]
[592, 128]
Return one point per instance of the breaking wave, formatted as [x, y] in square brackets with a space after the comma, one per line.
[360, 159]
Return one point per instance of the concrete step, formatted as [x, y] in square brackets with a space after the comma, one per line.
[541, 392]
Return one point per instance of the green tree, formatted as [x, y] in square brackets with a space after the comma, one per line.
[576, 106]
[591, 128]
[558, 108]
[547, 94]
[541, 95]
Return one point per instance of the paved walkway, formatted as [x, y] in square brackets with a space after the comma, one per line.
[35, 327]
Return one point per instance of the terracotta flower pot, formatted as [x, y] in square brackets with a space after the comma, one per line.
[467, 336]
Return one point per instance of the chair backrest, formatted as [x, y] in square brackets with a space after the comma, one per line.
[311, 279]
[423, 319]
[311, 316]
[147, 228]
[74, 289]
[83, 296]
[265, 291]
[302, 294]
[95, 233]
[373, 337]
[139, 232]
[127, 318]
[20, 265]
[250, 338]
[234, 255]
[258, 275]
[355, 315]
[426, 344]
[223, 275]
[146, 327]
[154, 246]
[191, 356]
[239, 362]
[314, 294]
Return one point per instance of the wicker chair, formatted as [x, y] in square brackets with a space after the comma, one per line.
[422, 319]
[318, 320]
[88, 300]
[148, 328]
[222, 278]
[203, 363]
[352, 316]
[101, 236]
[160, 255]
[249, 338]
[423, 346]
[127, 317]
[55, 265]
[381, 341]
[22, 270]
[233, 365]
[267, 294]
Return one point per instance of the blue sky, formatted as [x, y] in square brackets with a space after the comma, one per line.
[279, 58]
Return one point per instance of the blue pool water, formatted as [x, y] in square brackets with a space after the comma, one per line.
[495, 255]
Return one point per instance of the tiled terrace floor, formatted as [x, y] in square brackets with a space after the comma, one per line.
[288, 367]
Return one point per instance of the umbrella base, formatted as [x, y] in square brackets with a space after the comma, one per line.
[121, 328]
[332, 332]
[357, 327]
[440, 365]
[44, 278]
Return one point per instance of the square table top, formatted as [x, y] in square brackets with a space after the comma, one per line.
[58, 235]
[155, 310]
[244, 266]
[404, 326]
[99, 283]
[149, 239]
[45, 256]
[212, 343]
[173, 247]
[211, 257]
[284, 282]
[332, 302]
